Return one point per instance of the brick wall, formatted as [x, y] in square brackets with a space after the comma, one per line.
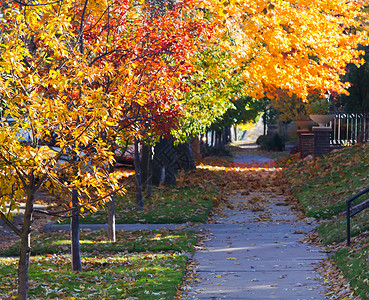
[306, 144]
[322, 137]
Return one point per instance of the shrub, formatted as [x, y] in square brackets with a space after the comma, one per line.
[271, 142]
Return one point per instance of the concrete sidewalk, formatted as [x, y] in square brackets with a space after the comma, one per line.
[257, 255]
[248, 158]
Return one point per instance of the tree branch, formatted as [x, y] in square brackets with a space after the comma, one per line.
[10, 224]
[61, 213]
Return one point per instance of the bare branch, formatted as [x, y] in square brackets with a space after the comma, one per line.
[62, 213]
[10, 224]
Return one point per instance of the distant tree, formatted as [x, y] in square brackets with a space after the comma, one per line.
[358, 100]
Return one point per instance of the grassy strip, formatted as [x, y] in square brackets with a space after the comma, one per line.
[133, 276]
[110, 270]
[167, 205]
[94, 242]
[354, 264]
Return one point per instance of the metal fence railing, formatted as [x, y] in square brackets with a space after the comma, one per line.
[350, 129]
[352, 211]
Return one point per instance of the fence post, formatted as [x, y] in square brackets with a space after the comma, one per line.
[348, 225]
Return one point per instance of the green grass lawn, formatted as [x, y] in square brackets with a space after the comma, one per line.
[140, 265]
[354, 264]
[118, 276]
[167, 205]
[324, 184]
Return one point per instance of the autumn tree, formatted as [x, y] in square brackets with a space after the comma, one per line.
[45, 88]
[290, 108]
[296, 46]
[213, 85]
[291, 46]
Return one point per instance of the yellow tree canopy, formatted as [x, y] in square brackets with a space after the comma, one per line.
[292, 45]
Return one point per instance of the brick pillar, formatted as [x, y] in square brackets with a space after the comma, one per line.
[306, 144]
[322, 138]
[299, 132]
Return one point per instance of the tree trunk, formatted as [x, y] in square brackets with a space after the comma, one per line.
[146, 169]
[226, 136]
[76, 248]
[164, 158]
[205, 146]
[170, 174]
[184, 157]
[149, 173]
[144, 163]
[111, 219]
[111, 213]
[25, 251]
[218, 136]
[139, 200]
[196, 147]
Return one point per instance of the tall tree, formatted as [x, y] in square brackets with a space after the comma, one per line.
[44, 88]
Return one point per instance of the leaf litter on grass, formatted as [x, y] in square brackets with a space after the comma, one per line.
[145, 276]
[110, 270]
[231, 179]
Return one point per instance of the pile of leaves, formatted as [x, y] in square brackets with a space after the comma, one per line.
[232, 178]
[192, 198]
